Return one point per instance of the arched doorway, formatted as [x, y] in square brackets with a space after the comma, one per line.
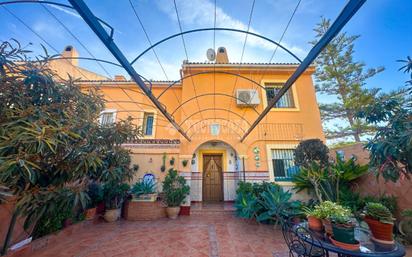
[215, 171]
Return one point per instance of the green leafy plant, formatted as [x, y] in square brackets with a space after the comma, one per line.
[390, 148]
[326, 210]
[247, 205]
[276, 204]
[52, 222]
[266, 202]
[172, 161]
[328, 182]
[143, 187]
[95, 193]
[379, 212]
[175, 189]
[115, 194]
[184, 163]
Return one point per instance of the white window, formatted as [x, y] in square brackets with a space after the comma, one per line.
[214, 129]
[107, 117]
[286, 101]
[148, 123]
[283, 164]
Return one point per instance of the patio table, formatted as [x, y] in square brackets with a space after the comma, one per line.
[368, 247]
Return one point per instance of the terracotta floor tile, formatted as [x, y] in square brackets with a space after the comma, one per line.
[200, 235]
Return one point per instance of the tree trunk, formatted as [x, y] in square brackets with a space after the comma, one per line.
[9, 233]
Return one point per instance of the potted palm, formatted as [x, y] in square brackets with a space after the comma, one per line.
[114, 195]
[95, 193]
[175, 191]
[344, 231]
[380, 221]
[144, 191]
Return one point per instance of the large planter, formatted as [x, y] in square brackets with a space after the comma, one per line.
[89, 214]
[344, 233]
[112, 215]
[327, 224]
[382, 232]
[144, 210]
[315, 223]
[172, 212]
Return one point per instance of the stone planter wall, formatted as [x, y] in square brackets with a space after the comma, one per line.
[144, 210]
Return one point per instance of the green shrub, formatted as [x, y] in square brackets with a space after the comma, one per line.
[265, 201]
[175, 189]
[51, 222]
[95, 193]
[114, 195]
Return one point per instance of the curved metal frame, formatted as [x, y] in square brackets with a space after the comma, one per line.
[58, 4]
[213, 109]
[216, 29]
[208, 94]
[225, 125]
[209, 72]
[194, 124]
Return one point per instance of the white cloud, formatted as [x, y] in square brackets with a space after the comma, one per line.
[201, 14]
[74, 14]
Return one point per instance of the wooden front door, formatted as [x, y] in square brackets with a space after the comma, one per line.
[212, 178]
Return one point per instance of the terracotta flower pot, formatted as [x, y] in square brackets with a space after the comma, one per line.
[315, 223]
[90, 213]
[380, 231]
[327, 224]
[172, 212]
[112, 215]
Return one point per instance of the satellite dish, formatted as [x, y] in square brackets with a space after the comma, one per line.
[211, 55]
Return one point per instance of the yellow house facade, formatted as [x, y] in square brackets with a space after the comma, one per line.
[215, 103]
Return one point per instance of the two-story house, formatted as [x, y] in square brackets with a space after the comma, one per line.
[215, 103]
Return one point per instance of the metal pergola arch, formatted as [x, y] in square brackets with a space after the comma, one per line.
[214, 109]
[95, 24]
[224, 125]
[209, 72]
[217, 118]
[209, 94]
[215, 29]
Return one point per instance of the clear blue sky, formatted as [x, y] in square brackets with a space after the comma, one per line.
[385, 27]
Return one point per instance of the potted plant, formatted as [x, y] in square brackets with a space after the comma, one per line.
[184, 163]
[326, 210]
[314, 217]
[114, 195]
[144, 190]
[175, 191]
[380, 221]
[344, 231]
[172, 161]
[95, 193]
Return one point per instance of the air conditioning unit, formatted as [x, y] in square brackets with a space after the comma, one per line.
[247, 97]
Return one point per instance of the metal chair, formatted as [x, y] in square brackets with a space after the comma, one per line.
[301, 242]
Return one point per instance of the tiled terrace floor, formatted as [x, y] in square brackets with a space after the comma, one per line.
[218, 234]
